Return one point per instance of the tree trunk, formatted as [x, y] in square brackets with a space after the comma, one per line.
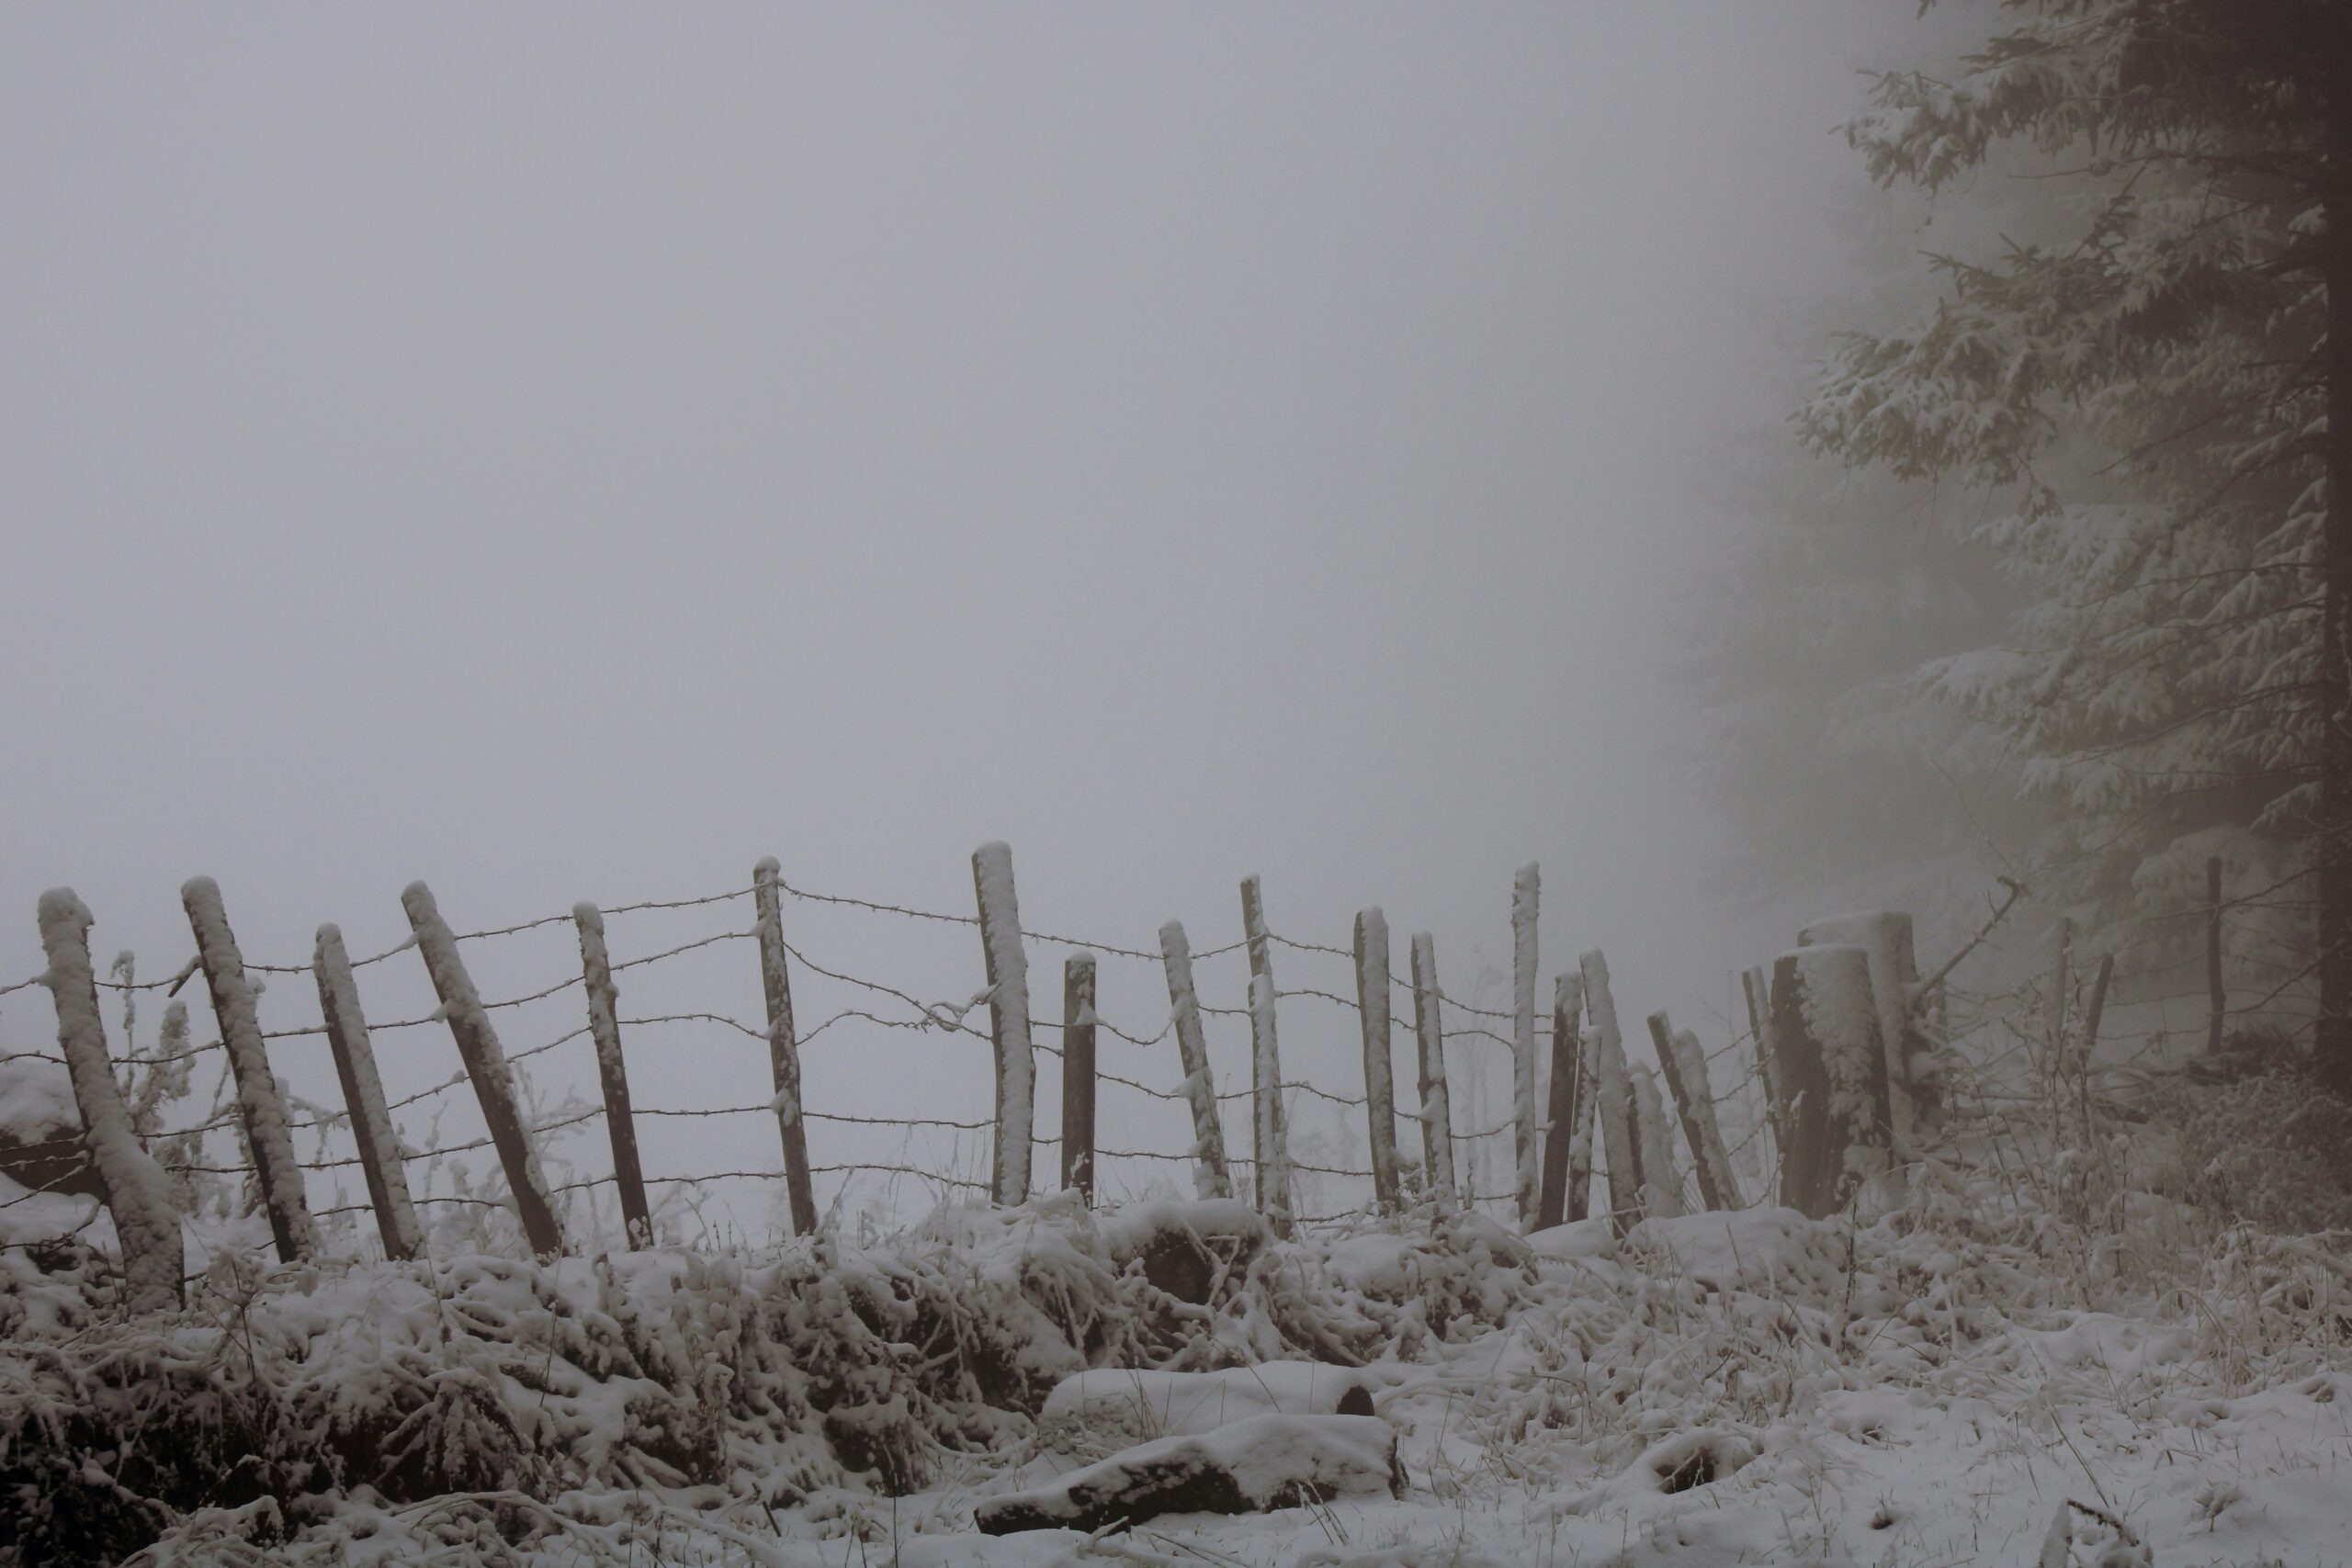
[2333, 1043]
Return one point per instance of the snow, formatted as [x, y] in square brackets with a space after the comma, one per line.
[1210, 1179]
[1124, 1406]
[1526, 1145]
[1008, 972]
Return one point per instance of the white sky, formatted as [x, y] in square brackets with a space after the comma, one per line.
[565, 452]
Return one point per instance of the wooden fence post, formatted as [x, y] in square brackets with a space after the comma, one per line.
[1009, 1035]
[611, 1074]
[1583, 1112]
[1268, 1124]
[1826, 1036]
[1379, 1084]
[1613, 1098]
[1429, 1036]
[1661, 1182]
[2214, 987]
[784, 1044]
[138, 1193]
[1078, 1074]
[1559, 1130]
[1885, 936]
[1525, 1145]
[1210, 1177]
[363, 1097]
[1757, 989]
[486, 1062]
[260, 1107]
[1684, 1064]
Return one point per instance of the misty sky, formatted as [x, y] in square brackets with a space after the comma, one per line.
[564, 453]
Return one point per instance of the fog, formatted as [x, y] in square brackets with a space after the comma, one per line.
[563, 454]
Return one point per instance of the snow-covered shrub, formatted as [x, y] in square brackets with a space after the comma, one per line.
[2271, 1150]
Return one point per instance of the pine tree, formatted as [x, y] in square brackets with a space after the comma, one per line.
[2160, 400]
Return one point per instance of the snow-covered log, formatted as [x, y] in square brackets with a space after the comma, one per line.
[146, 1216]
[1078, 1074]
[1111, 1407]
[1379, 1081]
[1684, 1064]
[1009, 1035]
[363, 1096]
[1661, 1182]
[1613, 1097]
[612, 1073]
[1269, 1131]
[1210, 1177]
[1559, 1125]
[1833, 1079]
[1249, 1466]
[784, 1044]
[1885, 936]
[486, 1062]
[1429, 1037]
[1526, 1145]
[260, 1107]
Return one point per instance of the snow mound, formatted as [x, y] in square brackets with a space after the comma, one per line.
[1109, 1408]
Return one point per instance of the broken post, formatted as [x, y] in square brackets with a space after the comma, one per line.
[1559, 1127]
[1429, 1037]
[1009, 1035]
[138, 1192]
[363, 1097]
[261, 1109]
[1210, 1179]
[1525, 1146]
[784, 1044]
[1684, 1064]
[1885, 937]
[1379, 1084]
[1832, 1071]
[612, 1075]
[1268, 1126]
[486, 1062]
[1077, 1075]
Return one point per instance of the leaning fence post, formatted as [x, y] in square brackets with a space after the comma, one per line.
[612, 1073]
[138, 1193]
[1684, 1064]
[1379, 1084]
[1661, 1183]
[783, 1045]
[1078, 1074]
[486, 1062]
[1613, 1097]
[1567, 1008]
[1009, 1036]
[1270, 1132]
[1210, 1179]
[363, 1097]
[1429, 1036]
[260, 1107]
[1833, 1113]
[1524, 1144]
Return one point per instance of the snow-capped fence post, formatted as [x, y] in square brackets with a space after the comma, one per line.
[1009, 1036]
[1559, 1129]
[611, 1072]
[485, 1063]
[1684, 1065]
[783, 1045]
[1833, 1115]
[1210, 1179]
[2220, 996]
[1078, 1074]
[1429, 1037]
[1613, 1097]
[1379, 1084]
[1885, 936]
[260, 1107]
[363, 1097]
[138, 1193]
[1270, 1132]
[1524, 888]
[1661, 1182]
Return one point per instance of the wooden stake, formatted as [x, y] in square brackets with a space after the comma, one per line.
[611, 1074]
[1379, 1086]
[1268, 1122]
[1429, 1036]
[1210, 1179]
[138, 1193]
[1559, 1129]
[1583, 1113]
[784, 1044]
[2214, 987]
[1834, 1117]
[1661, 1182]
[1885, 936]
[1757, 990]
[363, 1097]
[1683, 1064]
[1613, 1096]
[486, 1062]
[1526, 1135]
[260, 1107]
[1078, 1074]
[1009, 1035]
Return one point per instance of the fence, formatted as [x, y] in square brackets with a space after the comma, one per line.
[1735, 1140]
